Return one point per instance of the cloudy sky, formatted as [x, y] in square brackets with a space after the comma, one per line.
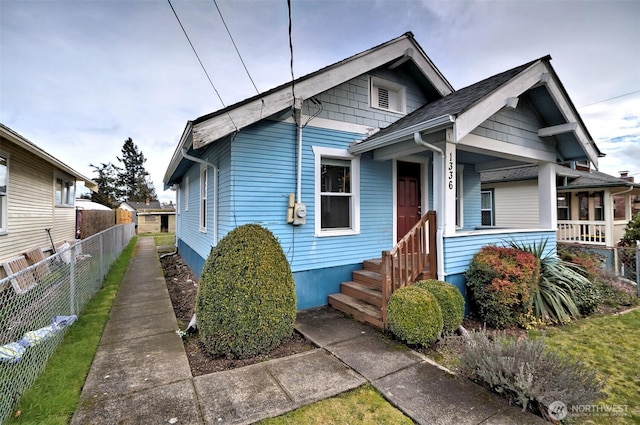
[79, 77]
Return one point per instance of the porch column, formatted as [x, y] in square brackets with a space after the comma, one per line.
[608, 218]
[450, 183]
[547, 196]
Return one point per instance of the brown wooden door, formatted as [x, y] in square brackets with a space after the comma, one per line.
[408, 202]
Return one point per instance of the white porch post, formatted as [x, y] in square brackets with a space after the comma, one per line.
[547, 197]
[450, 183]
[608, 218]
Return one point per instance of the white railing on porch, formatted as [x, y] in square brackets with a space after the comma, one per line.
[582, 231]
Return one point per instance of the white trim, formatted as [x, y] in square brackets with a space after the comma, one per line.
[424, 187]
[186, 193]
[329, 124]
[484, 145]
[557, 129]
[203, 216]
[392, 87]
[319, 153]
[460, 194]
[4, 200]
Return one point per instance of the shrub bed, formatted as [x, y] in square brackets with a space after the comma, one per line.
[414, 316]
[450, 300]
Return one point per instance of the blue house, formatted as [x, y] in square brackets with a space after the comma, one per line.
[368, 171]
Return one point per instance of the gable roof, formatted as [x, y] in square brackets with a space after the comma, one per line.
[31, 147]
[467, 108]
[576, 179]
[216, 125]
[139, 206]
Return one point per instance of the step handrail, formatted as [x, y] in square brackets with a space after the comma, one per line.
[410, 257]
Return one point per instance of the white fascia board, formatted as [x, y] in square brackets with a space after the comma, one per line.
[32, 148]
[486, 146]
[221, 125]
[570, 116]
[485, 108]
[429, 126]
[176, 158]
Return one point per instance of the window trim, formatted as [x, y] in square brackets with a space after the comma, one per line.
[492, 209]
[71, 191]
[204, 189]
[459, 196]
[186, 193]
[343, 154]
[377, 82]
[568, 196]
[4, 199]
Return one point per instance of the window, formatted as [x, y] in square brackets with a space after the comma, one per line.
[186, 193]
[486, 207]
[203, 198]
[337, 192]
[598, 206]
[4, 182]
[387, 95]
[619, 207]
[564, 206]
[583, 203]
[149, 218]
[64, 192]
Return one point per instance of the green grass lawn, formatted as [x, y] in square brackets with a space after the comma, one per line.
[162, 239]
[54, 396]
[610, 344]
[363, 405]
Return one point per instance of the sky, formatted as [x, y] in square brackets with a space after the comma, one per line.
[79, 77]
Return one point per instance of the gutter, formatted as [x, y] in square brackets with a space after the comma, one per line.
[417, 137]
[184, 154]
[428, 126]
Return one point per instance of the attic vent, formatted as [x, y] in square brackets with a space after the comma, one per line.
[387, 95]
[383, 98]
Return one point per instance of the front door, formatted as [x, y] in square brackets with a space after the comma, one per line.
[408, 202]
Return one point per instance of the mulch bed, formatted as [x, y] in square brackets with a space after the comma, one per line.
[183, 287]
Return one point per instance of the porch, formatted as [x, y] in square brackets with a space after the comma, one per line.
[587, 232]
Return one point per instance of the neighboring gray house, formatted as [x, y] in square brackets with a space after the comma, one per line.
[150, 216]
[593, 208]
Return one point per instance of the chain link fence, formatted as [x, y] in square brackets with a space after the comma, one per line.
[39, 302]
[626, 261]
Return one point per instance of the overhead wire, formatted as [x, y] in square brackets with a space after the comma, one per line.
[611, 98]
[236, 47]
[293, 81]
[201, 64]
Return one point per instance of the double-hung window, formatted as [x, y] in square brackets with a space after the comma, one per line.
[186, 193]
[486, 207]
[564, 206]
[337, 199]
[64, 192]
[4, 183]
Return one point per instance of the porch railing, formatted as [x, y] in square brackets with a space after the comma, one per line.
[581, 231]
[410, 257]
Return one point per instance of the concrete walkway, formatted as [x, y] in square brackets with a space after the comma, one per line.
[140, 374]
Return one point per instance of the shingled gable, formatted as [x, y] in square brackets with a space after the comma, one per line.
[209, 128]
[467, 108]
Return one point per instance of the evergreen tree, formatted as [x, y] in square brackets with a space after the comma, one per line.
[108, 193]
[132, 177]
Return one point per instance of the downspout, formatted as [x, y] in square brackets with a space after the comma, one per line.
[297, 115]
[417, 137]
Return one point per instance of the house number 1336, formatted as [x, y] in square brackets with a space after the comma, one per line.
[450, 169]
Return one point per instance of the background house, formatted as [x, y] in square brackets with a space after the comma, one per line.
[350, 167]
[37, 192]
[151, 217]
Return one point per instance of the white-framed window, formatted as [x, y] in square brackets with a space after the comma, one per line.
[203, 197]
[564, 205]
[4, 184]
[387, 95]
[486, 207]
[65, 191]
[178, 199]
[186, 193]
[337, 192]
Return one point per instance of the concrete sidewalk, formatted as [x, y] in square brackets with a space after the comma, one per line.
[140, 374]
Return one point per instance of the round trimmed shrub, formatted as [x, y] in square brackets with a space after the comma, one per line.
[501, 282]
[450, 300]
[246, 301]
[414, 316]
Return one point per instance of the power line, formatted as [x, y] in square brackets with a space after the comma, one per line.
[236, 47]
[611, 98]
[293, 86]
[201, 64]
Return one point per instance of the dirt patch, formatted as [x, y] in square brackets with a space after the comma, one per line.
[183, 287]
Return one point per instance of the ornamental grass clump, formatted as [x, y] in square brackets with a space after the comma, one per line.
[246, 301]
[414, 316]
[527, 374]
[450, 300]
[500, 283]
